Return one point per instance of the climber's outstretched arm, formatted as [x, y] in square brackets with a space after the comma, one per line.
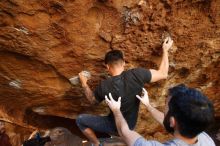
[162, 72]
[88, 92]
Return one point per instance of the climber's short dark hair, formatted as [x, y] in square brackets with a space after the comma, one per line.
[192, 110]
[113, 57]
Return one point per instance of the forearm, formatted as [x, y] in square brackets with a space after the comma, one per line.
[89, 94]
[120, 122]
[164, 65]
[157, 115]
[127, 135]
[162, 72]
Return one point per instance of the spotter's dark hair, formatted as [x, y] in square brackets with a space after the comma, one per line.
[192, 110]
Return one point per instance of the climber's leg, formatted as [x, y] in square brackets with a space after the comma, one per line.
[90, 134]
[90, 123]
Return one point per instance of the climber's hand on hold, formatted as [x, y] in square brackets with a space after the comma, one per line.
[83, 79]
[144, 98]
[167, 44]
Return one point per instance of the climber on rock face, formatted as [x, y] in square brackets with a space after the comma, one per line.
[126, 84]
[188, 113]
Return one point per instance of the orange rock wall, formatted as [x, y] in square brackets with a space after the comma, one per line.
[44, 43]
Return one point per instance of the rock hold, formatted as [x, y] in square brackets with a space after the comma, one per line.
[44, 43]
[106, 36]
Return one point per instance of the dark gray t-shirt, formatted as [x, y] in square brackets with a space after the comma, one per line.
[203, 140]
[126, 85]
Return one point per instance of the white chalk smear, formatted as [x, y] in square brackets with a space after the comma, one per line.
[22, 29]
[15, 84]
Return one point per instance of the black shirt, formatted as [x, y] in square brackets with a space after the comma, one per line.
[126, 85]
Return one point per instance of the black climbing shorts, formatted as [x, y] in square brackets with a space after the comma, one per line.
[103, 124]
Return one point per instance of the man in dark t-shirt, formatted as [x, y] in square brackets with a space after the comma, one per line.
[124, 84]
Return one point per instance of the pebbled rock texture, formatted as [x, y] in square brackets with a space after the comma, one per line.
[44, 43]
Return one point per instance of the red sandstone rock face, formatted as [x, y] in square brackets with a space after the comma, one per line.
[44, 43]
